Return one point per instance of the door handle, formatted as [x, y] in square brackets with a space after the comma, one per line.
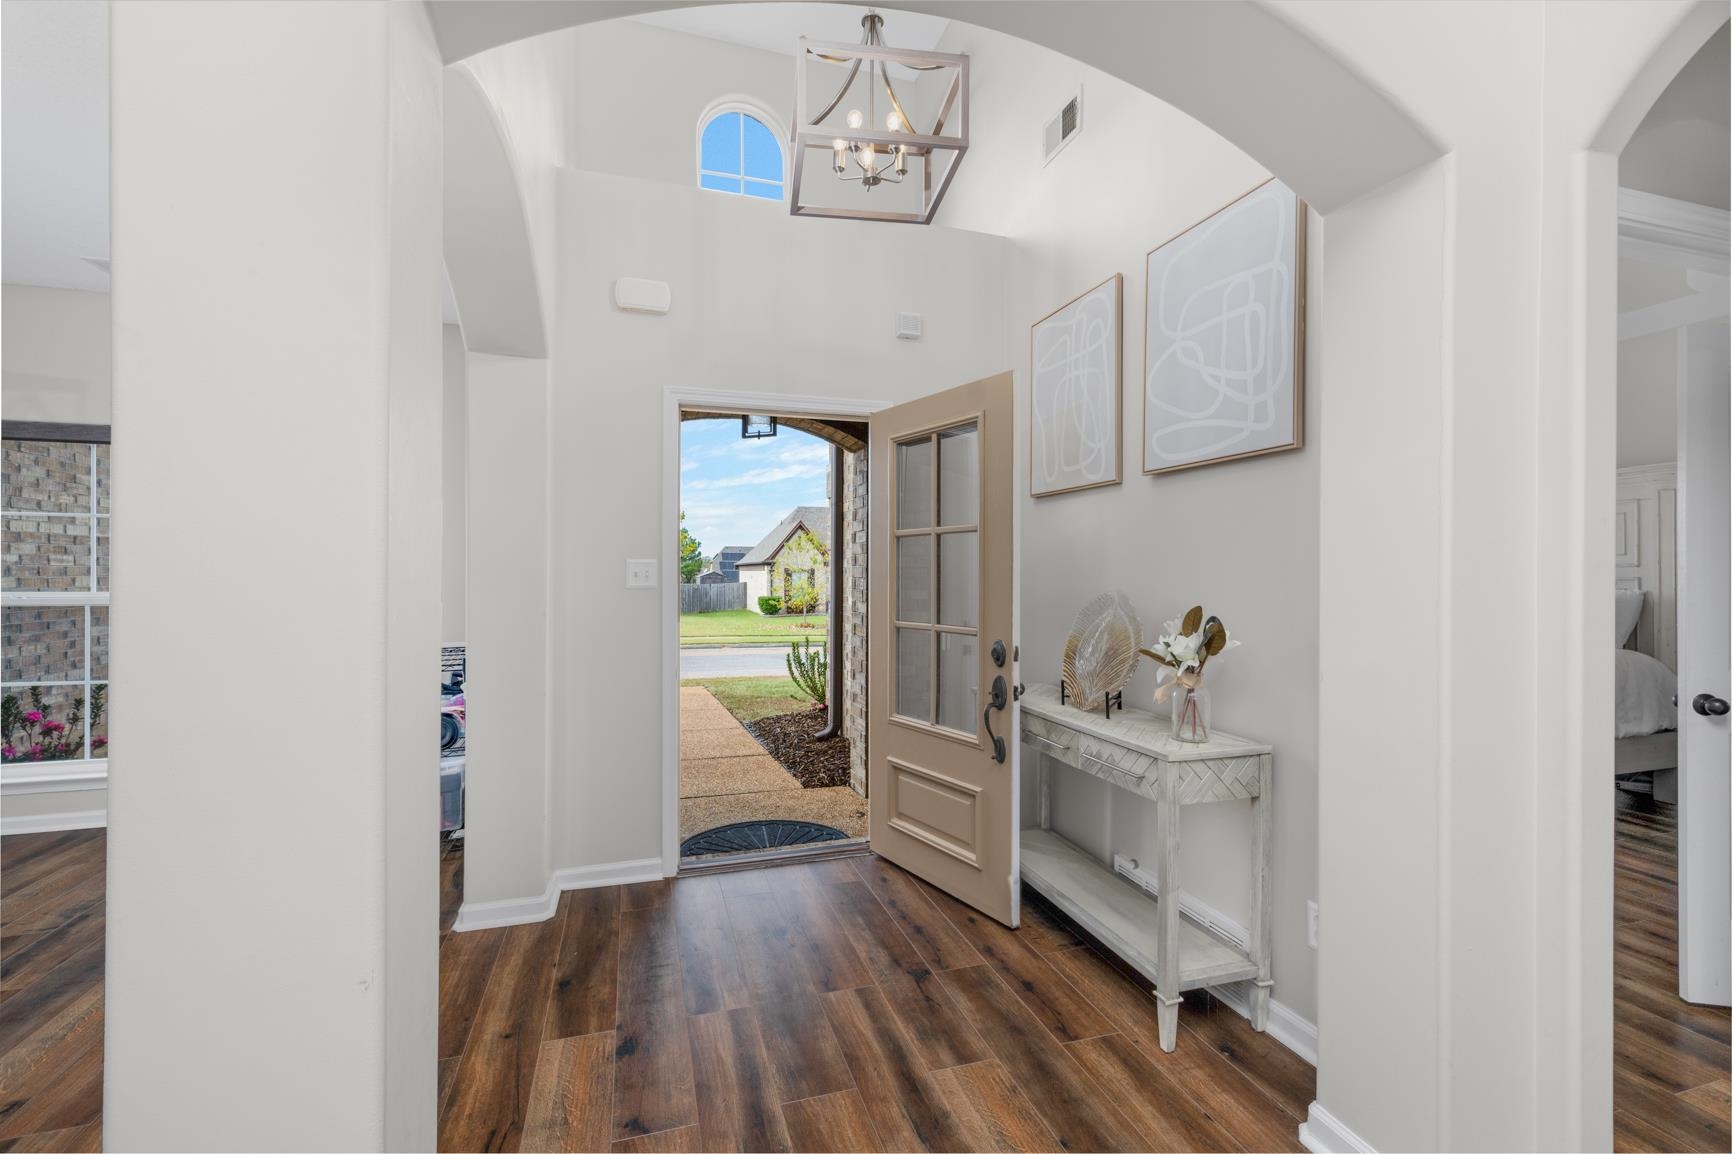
[1710, 706]
[997, 701]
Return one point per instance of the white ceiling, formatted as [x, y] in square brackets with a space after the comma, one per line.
[54, 142]
[1681, 149]
[778, 27]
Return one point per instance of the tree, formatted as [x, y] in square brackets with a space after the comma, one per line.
[691, 554]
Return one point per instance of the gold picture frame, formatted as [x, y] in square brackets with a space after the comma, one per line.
[1297, 281]
[1115, 361]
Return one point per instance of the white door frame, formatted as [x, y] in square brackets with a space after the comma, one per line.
[675, 399]
[1695, 238]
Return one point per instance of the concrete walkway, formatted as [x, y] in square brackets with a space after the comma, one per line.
[734, 661]
[725, 776]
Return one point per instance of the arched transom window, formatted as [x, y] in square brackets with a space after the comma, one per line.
[738, 153]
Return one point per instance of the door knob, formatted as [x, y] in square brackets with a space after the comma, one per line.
[1710, 706]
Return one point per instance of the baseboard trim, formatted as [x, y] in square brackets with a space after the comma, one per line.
[613, 873]
[1284, 1025]
[53, 822]
[522, 911]
[1324, 1133]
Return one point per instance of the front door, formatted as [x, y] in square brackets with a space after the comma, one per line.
[941, 719]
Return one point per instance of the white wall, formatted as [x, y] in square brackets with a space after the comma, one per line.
[1139, 173]
[761, 302]
[454, 471]
[55, 355]
[273, 915]
[1648, 399]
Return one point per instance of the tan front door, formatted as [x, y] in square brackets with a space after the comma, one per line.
[941, 722]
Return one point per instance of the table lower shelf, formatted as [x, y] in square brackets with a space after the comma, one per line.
[1122, 916]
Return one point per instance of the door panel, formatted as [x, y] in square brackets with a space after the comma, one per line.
[943, 557]
[1704, 658]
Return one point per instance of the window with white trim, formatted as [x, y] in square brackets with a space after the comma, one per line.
[739, 153]
[54, 520]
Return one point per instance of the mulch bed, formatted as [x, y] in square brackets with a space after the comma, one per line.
[790, 739]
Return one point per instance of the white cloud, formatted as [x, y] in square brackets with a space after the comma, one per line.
[687, 464]
[760, 477]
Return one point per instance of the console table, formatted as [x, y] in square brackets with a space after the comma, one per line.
[1135, 751]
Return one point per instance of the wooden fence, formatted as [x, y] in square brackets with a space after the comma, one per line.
[713, 598]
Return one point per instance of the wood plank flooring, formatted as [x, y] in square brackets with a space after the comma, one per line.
[841, 1005]
[835, 1005]
[1671, 1061]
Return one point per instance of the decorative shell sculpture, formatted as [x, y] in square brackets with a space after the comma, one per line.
[1101, 653]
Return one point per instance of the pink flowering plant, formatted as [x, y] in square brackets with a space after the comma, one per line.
[32, 733]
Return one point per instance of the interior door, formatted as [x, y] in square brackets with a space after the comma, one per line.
[941, 715]
[1704, 665]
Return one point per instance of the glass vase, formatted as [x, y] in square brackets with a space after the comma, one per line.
[1190, 706]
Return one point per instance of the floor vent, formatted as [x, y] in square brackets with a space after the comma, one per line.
[1063, 128]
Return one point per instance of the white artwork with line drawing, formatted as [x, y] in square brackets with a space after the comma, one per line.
[1075, 401]
[1222, 351]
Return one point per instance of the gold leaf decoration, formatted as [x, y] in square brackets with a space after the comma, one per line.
[1193, 621]
[1102, 650]
[1214, 636]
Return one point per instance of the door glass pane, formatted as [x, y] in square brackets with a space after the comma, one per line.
[959, 478]
[43, 643]
[914, 674]
[959, 579]
[959, 703]
[914, 578]
[914, 484]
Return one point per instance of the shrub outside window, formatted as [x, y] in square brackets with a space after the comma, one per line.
[738, 153]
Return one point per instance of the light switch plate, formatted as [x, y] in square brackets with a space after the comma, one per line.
[640, 574]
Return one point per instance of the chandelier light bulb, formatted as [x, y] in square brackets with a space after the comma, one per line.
[855, 119]
[892, 121]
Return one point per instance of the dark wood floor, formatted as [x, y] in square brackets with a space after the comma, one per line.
[51, 928]
[829, 1006]
[833, 1005]
[1672, 1062]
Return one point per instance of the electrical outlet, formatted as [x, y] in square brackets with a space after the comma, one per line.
[1311, 924]
[640, 574]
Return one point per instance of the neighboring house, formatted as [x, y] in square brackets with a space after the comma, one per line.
[713, 577]
[727, 559]
[798, 547]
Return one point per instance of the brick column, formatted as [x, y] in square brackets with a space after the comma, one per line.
[853, 556]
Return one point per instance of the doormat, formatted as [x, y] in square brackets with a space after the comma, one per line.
[744, 836]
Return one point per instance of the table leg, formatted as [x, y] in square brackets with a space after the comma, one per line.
[1262, 894]
[1167, 996]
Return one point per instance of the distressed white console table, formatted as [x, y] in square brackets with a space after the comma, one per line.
[1135, 751]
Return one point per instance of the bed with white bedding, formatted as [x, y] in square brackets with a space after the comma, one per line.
[1645, 716]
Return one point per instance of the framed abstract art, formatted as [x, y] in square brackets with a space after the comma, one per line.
[1224, 335]
[1076, 366]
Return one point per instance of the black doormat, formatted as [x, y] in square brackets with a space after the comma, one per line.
[744, 836]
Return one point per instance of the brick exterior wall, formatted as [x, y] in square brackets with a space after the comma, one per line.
[854, 529]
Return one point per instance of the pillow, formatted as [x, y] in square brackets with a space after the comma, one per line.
[1628, 611]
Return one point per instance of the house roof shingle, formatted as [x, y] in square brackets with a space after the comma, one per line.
[815, 519]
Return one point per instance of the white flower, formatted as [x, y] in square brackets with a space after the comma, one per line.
[1186, 649]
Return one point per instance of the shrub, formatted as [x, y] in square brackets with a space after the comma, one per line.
[809, 670]
[769, 606]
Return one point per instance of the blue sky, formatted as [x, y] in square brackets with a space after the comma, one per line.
[734, 491]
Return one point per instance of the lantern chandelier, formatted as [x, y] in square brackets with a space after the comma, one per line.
[858, 154]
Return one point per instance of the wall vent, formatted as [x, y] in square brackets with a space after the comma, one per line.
[1063, 128]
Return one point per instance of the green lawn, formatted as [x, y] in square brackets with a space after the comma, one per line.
[749, 698]
[743, 627]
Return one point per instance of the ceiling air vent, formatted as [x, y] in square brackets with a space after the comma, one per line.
[1061, 129]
